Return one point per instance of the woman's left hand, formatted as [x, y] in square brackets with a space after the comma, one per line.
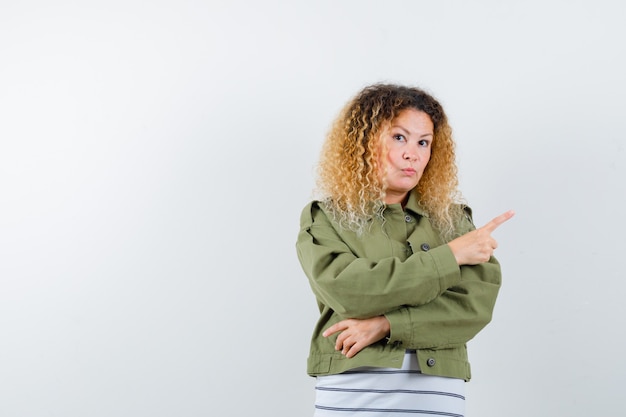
[356, 334]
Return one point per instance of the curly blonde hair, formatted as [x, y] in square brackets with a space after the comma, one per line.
[349, 180]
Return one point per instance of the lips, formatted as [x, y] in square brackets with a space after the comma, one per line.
[409, 171]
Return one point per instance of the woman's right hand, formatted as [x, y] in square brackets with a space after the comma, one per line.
[356, 334]
[478, 245]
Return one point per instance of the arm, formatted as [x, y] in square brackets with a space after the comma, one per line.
[455, 317]
[450, 320]
[463, 310]
[359, 287]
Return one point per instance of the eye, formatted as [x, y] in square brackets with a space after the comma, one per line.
[424, 143]
[399, 138]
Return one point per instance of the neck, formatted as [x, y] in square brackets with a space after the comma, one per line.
[397, 198]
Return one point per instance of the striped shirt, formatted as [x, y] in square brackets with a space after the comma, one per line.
[376, 392]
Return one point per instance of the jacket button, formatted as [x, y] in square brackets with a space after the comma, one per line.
[431, 362]
[425, 247]
[407, 218]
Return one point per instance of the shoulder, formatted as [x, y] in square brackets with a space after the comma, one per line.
[311, 213]
[467, 211]
[465, 219]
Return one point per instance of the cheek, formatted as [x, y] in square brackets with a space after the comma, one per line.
[393, 155]
[427, 157]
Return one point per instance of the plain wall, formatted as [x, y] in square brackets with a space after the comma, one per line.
[155, 156]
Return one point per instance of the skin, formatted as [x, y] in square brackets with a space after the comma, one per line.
[408, 144]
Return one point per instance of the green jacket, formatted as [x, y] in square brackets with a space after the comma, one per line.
[402, 269]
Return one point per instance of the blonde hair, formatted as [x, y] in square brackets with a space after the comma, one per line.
[349, 180]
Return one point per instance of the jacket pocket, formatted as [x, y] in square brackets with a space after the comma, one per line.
[318, 364]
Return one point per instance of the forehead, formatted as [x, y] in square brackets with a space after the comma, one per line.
[413, 119]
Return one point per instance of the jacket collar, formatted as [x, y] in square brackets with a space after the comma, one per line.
[412, 204]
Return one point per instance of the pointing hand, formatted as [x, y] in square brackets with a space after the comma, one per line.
[478, 245]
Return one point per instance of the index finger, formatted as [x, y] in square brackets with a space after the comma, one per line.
[337, 327]
[497, 221]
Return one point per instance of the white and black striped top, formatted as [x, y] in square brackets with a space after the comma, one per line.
[377, 392]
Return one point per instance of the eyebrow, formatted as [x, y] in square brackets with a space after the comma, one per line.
[409, 132]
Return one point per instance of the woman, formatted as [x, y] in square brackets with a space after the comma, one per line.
[402, 278]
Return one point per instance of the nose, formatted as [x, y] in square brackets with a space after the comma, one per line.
[410, 155]
[412, 151]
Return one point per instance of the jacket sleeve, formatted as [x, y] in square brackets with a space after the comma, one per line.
[357, 287]
[453, 318]
[456, 316]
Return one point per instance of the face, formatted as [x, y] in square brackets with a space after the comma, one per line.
[408, 145]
